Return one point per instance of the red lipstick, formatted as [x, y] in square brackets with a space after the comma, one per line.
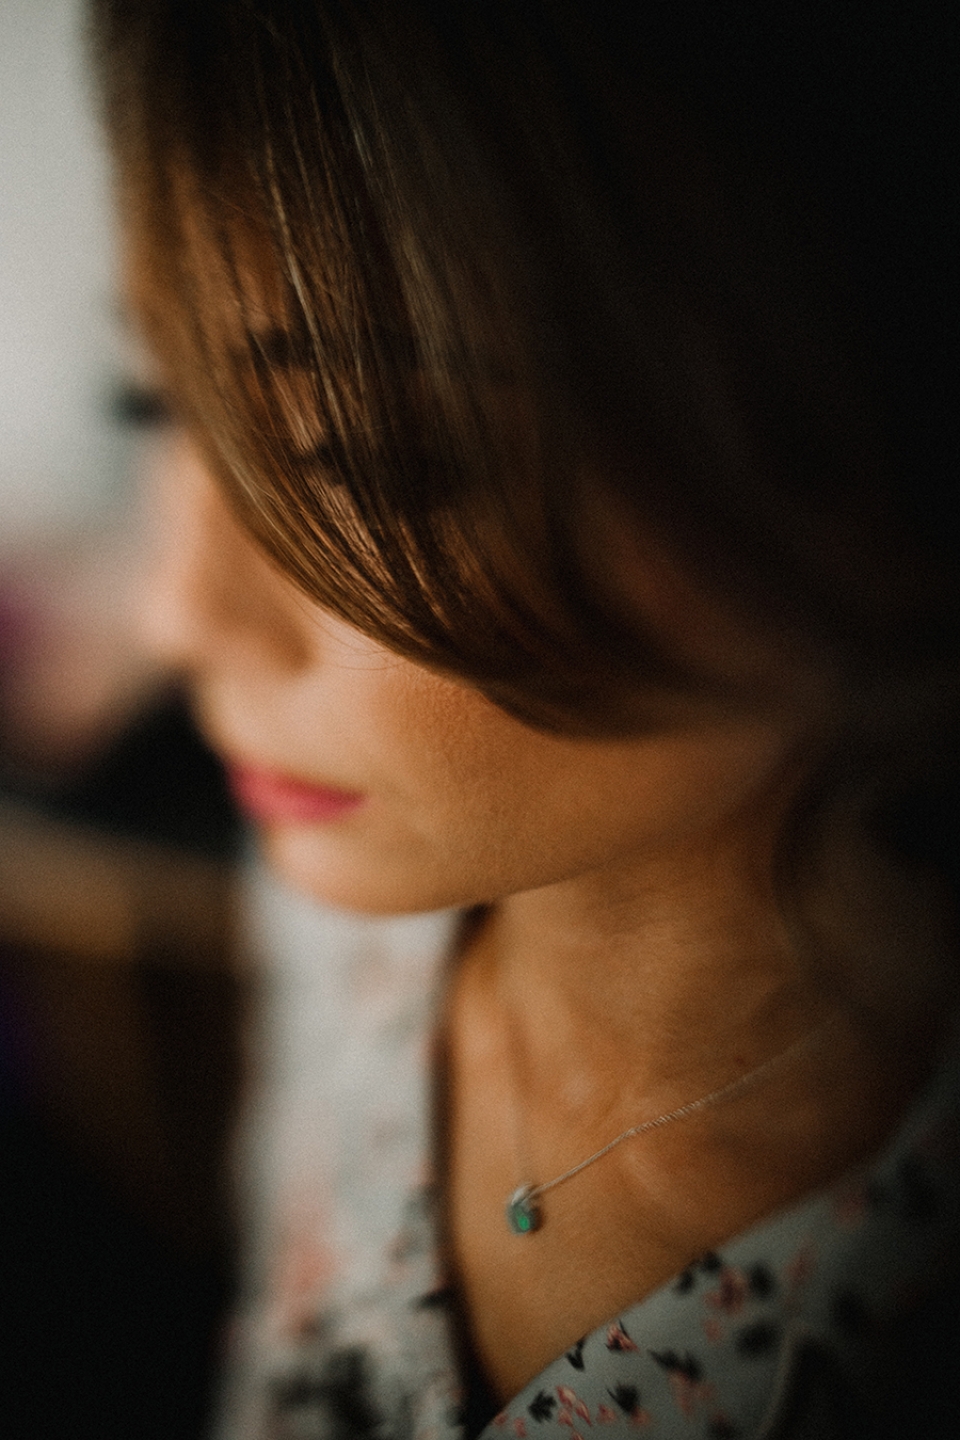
[268, 796]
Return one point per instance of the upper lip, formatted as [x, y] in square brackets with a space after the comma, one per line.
[237, 758]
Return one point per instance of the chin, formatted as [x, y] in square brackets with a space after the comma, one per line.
[336, 874]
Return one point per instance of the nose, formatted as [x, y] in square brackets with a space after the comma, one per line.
[179, 601]
[208, 591]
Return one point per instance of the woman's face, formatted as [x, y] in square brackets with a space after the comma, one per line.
[381, 786]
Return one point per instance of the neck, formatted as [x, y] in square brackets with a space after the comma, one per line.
[677, 973]
[587, 1007]
[665, 961]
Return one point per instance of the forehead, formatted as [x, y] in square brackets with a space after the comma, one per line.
[302, 343]
[387, 410]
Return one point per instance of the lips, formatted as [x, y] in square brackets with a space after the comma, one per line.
[268, 796]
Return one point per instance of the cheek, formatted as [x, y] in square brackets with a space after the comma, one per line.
[451, 758]
[450, 788]
[504, 808]
[467, 805]
[496, 817]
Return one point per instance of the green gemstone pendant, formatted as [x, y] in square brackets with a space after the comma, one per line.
[523, 1212]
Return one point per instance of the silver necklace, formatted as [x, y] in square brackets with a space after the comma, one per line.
[524, 1214]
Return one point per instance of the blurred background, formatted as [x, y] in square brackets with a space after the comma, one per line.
[153, 987]
[122, 991]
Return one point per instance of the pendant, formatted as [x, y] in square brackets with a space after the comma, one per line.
[523, 1212]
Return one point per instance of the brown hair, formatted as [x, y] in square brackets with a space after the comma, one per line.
[428, 276]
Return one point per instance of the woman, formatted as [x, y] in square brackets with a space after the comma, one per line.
[549, 546]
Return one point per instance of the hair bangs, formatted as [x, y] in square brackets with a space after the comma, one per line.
[416, 333]
[362, 383]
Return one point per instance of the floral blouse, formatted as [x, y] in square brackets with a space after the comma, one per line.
[345, 1330]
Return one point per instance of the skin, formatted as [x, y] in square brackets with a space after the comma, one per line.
[464, 804]
[631, 954]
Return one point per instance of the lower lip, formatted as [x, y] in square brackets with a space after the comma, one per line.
[266, 796]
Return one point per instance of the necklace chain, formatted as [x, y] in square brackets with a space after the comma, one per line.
[524, 1214]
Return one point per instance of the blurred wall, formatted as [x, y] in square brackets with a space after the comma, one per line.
[61, 456]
